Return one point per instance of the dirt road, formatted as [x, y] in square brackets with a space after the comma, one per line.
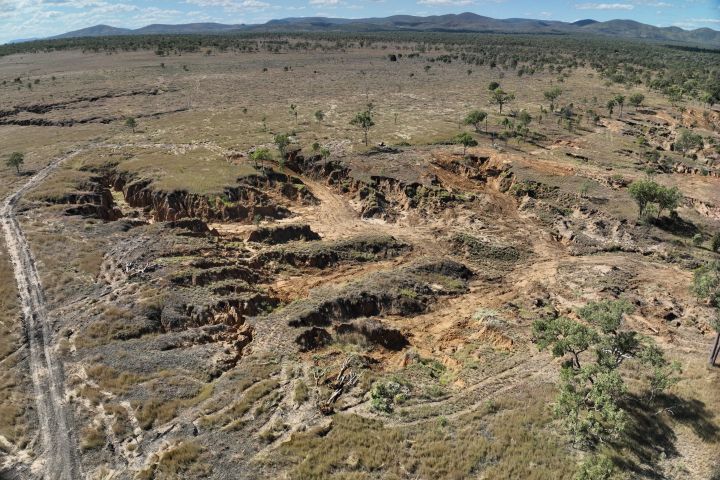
[58, 460]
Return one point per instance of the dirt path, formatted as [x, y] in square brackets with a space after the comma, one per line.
[59, 460]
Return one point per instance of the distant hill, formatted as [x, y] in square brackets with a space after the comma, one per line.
[582, 23]
[464, 22]
[97, 31]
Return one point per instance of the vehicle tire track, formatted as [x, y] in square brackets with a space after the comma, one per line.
[59, 459]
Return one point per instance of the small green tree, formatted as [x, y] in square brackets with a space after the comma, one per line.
[524, 118]
[592, 386]
[643, 192]
[647, 192]
[282, 141]
[364, 121]
[294, 111]
[131, 123]
[687, 140]
[668, 199]
[466, 140]
[15, 160]
[499, 97]
[261, 155]
[493, 86]
[475, 118]
[636, 99]
[620, 101]
[610, 106]
[715, 243]
[319, 116]
[552, 95]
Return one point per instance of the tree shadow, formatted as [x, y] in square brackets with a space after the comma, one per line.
[649, 434]
[599, 200]
[676, 225]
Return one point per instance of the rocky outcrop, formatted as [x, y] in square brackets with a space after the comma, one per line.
[483, 251]
[245, 201]
[277, 234]
[91, 199]
[404, 292]
[381, 196]
[324, 254]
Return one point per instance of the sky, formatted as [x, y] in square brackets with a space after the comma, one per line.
[21, 19]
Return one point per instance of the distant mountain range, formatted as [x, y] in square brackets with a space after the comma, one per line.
[464, 22]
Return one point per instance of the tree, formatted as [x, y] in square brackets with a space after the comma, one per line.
[552, 95]
[499, 97]
[294, 111]
[475, 118]
[646, 192]
[708, 99]
[15, 159]
[282, 140]
[319, 116]
[261, 155]
[715, 243]
[675, 94]
[364, 121]
[687, 140]
[131, 123]
[610, 106]
[706, 285]
[523, 120]
[466, 140]
[668, 199]
[620, 101]
[493, 86]
[592, 386]
[636, 99]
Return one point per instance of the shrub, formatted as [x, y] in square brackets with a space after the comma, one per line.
[598, 467]
[697, 239]
[384, 396]
[715, 243]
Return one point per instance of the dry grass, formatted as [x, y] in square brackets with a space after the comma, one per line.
[157, 412]
[232, 418]
[111, 380]
[14, 398]
[512, 440]
[113, 324]
[60, 183]
[92, 437]
[178, 461]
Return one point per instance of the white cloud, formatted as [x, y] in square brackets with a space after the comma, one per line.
[231, 4]
[604, 6]
[445, 3]
[324, 2]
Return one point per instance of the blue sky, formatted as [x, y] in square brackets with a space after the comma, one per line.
[40, 18]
